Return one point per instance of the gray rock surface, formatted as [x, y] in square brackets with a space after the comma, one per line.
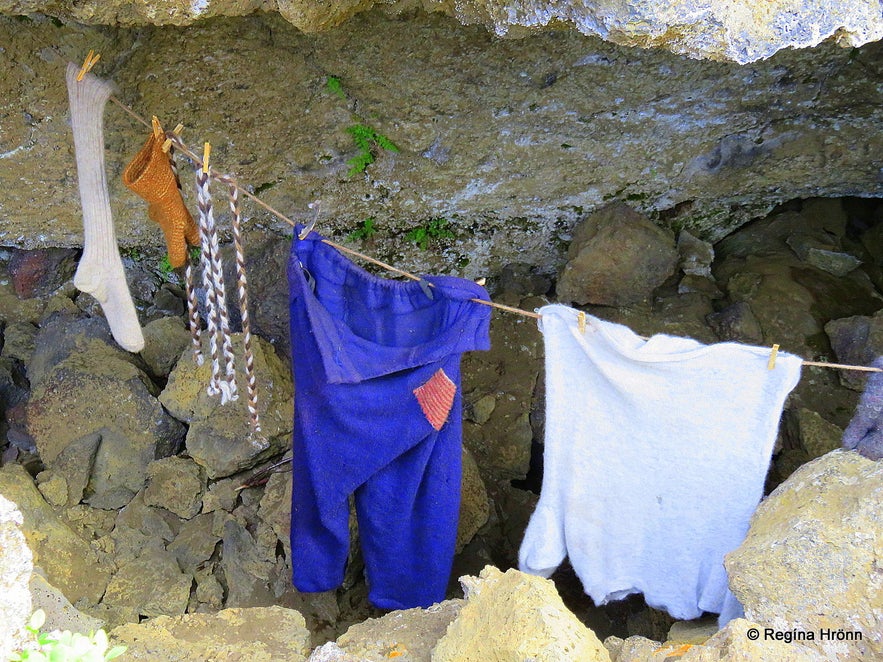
[484, 134]
[617, 257]
[16, 565]
[176, 484]
[514, 616]
[809, 560]
[219, 437]
[260, 634]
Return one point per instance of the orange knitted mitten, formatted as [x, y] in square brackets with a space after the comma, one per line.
[150, 175]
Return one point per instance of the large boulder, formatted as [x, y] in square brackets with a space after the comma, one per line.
[408, 633]
[617, 257]
[810, 562]
[94, 414]
[259, 634]
[514, 616]
[220, 437]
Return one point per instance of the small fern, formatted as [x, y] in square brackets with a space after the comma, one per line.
[366, 139]
[435, 228]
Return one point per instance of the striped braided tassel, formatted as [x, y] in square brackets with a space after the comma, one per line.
[213, 281]
[242, 285]
[193, 323]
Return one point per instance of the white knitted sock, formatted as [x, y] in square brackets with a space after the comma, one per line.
[100, 272]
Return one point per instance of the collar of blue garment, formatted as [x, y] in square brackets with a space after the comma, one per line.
[460, 325]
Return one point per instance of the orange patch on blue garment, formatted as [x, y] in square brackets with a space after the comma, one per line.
[436, 397]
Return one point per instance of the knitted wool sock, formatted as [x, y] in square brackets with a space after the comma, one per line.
[100, 272]
[150, 175]
[865, 431]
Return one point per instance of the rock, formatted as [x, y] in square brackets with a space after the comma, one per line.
[247, 567]
[139, 528]
[176, 484]
[412, 633]
[151, 585]
[219, 437]
[18, 341]
[53, 488]
[331, 652]
[736, 322]
[266, 262]
[808, 561]
[816, 435]
[731, 644]
[38, 273]
[96, 391]
[275, 508]
[856, 340]
[69, 562]
[617, 257]
[693, 632]
[514, 616]
[521, 279]
[474, 505]
[16, 565]
[165, 339]
[823, 255]
[60, 613]
[260, 634]
[195, 543]
[703, 29]
[672, 136]
[696, 255]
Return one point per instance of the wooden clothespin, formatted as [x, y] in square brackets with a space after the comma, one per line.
[481, 281]
[774, 352]
[581, 322]
[206, 152]
[167, 145]
[88, 63]
[158, 133]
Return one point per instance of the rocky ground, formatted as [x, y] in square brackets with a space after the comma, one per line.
[126, 478]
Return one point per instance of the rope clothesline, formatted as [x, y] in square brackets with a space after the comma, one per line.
[231, 182]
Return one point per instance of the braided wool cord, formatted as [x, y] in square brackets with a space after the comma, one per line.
[242, 286]
[213, 281]
[193, 322]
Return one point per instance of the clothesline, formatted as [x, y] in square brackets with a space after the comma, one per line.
[203, 162]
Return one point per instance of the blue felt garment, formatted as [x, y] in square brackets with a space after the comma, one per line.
[376, 367]
[865, 431]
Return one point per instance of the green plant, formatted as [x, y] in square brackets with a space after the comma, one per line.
[366, 230]
[66, 646]
[334, 86]
[435, 228]
[366, 139]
